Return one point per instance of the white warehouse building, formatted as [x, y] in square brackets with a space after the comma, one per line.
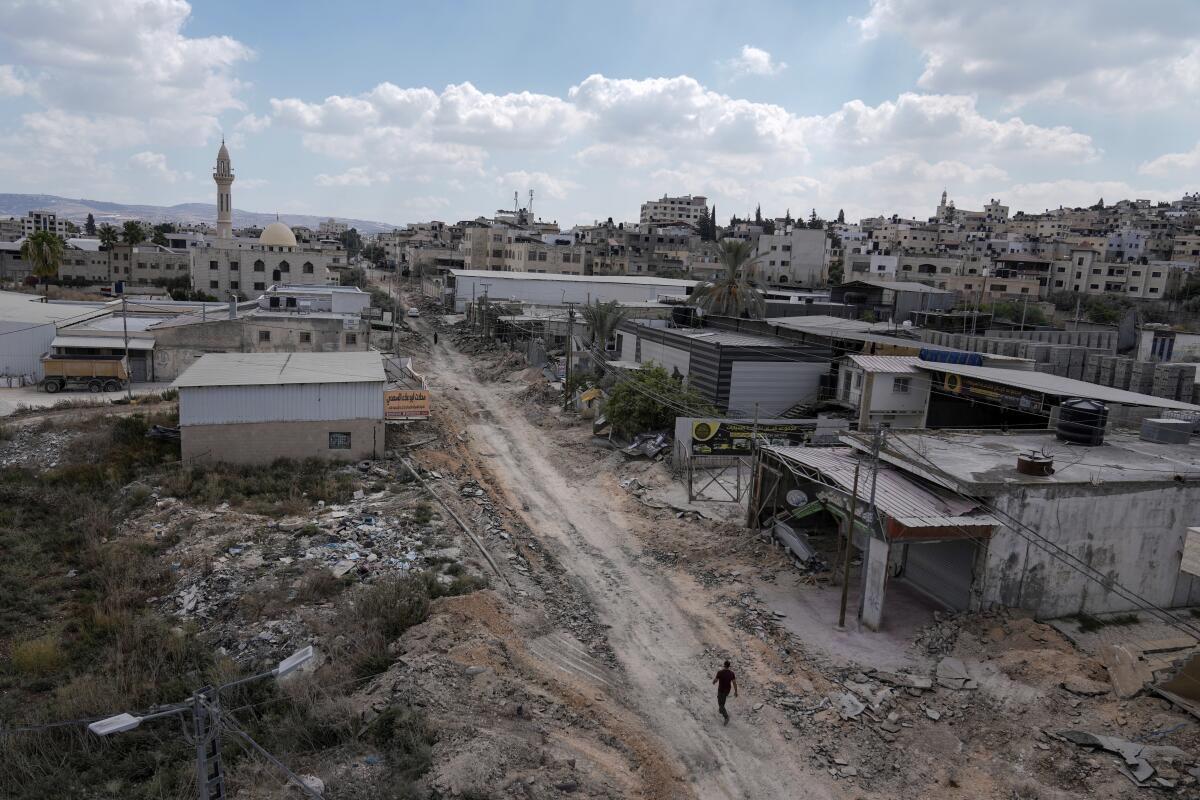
[254, 408]
[468, 285]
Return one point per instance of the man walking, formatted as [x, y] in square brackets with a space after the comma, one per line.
[725, 680]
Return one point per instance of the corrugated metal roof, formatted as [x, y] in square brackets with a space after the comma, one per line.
[20, 307]
[274, 369]
[901, 286]
[901, 365]
[547, 276]
[1056, 385]
[107, 342]
[896, 496]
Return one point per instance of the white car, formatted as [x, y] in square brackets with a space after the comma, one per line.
[414, 312]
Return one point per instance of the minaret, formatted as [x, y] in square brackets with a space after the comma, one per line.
[223, 175]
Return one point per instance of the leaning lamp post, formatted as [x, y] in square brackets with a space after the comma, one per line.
[207, 723]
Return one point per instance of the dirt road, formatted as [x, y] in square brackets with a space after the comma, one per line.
[666, 637]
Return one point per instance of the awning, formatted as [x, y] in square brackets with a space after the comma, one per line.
[102, 342]
[912, 511]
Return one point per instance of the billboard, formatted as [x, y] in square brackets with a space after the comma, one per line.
[406, 404]
[715, 437]
[1007, 396]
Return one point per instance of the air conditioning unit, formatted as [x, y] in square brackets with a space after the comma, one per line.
[1166, 431]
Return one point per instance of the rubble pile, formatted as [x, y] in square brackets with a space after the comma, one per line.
[35, 446]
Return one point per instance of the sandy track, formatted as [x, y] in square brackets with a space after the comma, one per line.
[666, 637]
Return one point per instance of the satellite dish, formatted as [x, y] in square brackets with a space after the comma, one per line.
[797, 498]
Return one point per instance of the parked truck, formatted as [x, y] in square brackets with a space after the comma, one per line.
[94, 373]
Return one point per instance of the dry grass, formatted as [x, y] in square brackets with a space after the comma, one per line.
[38, 657]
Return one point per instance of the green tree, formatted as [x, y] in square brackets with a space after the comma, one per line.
[716, 228]
[731, 295]
[354, 277]
[603, 319]
[841, 216]
[43, 251]
[650, 399]
[815, 222]
[705, 226]
[132, 233]
[352, 241]
[72, 228]
[108, 236]
[758, 215]
[1013, 311]
[89, 227]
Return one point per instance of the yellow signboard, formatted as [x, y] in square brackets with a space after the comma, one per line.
[406, 404]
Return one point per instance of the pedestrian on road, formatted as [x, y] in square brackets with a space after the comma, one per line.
[725, 680]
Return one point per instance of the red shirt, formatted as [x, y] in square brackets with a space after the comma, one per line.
[725, 680]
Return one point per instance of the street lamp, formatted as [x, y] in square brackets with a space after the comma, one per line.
[207, 721]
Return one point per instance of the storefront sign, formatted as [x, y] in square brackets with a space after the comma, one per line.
[1007, 396]
[406, 404]
[720, 437]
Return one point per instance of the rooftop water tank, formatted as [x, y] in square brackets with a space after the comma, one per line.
[1082, 421]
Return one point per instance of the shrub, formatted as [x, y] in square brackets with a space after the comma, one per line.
[38, 657]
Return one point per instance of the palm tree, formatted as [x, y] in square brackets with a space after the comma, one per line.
[44, 252]
[108, 236]
[603, 319]
[133, 233]
[731, 295]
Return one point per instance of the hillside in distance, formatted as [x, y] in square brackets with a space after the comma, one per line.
[17, 205]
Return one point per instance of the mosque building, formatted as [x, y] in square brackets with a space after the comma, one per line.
[247, 265]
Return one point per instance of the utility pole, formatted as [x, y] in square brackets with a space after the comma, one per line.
[208, 722]
[1077, 300]
[570, 347]
[486, 325]
[849, 547]
[474, 310]
[125, 326]
[1024, 306]
[395, 309]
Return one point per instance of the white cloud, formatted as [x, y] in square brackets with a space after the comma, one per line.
[252, 183]
[1171, 163]
[542, 183]
[1084, 51]
[253, 123]
[154, 164]
[427, 202]
[947, 122]
[355, 176]
[11, 84]
[754, 61]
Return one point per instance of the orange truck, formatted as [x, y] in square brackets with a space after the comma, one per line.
[94, 373]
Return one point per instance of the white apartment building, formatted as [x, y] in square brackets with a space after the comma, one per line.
[36, 221]
[796, 258]
[332, 229]
[1086, 272]
[670, 210]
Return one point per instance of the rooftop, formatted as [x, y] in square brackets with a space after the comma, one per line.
[967, 461]
[275, 369]
[20, 307]
[1055, 385]
[539, 276]
[899, 365]
[720, 336]
[899, 286]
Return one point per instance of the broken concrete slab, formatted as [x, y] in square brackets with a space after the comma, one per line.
[952, 674]
[847, 705]
[1085, 686]
[1127, 673]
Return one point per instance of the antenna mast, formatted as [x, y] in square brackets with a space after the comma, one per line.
[531, 205]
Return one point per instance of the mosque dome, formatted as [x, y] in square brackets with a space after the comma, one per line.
[277, 234]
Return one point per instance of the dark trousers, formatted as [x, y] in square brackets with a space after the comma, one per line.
[721, 703]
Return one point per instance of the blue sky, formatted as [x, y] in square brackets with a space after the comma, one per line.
[403, 111]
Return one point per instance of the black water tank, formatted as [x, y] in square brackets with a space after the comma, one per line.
[1082, 421]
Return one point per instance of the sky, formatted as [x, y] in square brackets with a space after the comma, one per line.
[402, 112]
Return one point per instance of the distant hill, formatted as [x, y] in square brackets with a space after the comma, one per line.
[17, 205]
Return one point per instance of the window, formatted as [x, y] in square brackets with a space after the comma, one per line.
[285, 266]
[901, 385]
[212, 265]
[339, 440]
[308, 268]
[213, 284]
[351, 338]
[233, 265]
[259, 266]
[264, 336]
[305, 337]
[260, 286]
[234, 285]
[1155, 274]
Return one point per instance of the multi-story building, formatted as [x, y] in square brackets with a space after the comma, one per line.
[797, 257]
[11, 229]
[37, 221]
[1086, 272]
[672, 210]
[332, 229]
